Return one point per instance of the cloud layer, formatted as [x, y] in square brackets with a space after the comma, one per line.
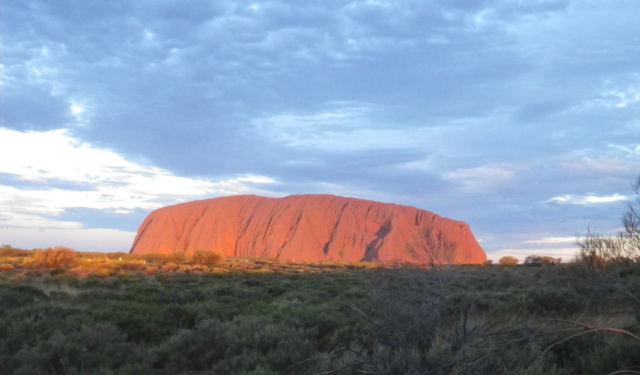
[50, 174]
[520, 118]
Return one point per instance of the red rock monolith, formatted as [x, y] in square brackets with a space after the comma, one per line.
[308, 228]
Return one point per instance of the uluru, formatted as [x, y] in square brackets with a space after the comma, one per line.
[311, 228]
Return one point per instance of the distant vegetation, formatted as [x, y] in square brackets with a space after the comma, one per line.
[21, 264]
[508, 261]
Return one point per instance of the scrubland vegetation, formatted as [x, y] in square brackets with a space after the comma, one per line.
[66, 312]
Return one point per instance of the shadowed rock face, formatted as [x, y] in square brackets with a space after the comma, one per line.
[308, 228]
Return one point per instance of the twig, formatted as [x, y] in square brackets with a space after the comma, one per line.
[364, 314]
[589, 328]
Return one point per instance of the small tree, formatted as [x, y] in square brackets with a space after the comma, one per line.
[439, 250]
[601, 252]
[508, 261]
[631, 222]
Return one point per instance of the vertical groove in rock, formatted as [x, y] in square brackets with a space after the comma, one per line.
[190, 232]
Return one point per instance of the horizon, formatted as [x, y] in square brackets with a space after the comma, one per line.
[520, 120]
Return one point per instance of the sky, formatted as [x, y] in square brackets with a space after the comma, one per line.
[519, 117]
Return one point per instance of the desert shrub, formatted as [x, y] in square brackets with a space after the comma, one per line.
[553, 302]
[57, 257]
[14, 261]
[90, 255]
[193, 269]
[508, 261]
[176, 257]
[191, 349]
[133, 266]
[15, 296]
[120, 256]
[5, 267]
[65, 352]
[57, 271]
[10, 251]
[154, 257]
[206, 258]
[169, 267]
[88, 266]
[535, 260]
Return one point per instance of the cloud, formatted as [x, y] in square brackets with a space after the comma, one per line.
[586, 199]
[552, 241]
[482, 177]
[343, 128]
[51, 172]
[631, 151]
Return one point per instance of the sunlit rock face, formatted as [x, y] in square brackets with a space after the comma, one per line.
[308, 228]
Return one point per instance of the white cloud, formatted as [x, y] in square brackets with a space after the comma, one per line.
[345, 128]
[340, 115]
[80, 111]
[485, 177]
[552, 241]
[632, 151]
[50, 172]
[619, 98]
[482, 173]
[77, 109]
[586, 199]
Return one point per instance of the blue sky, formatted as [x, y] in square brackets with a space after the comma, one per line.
[521, 118]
